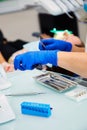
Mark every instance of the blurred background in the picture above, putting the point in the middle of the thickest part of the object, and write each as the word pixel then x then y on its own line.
pixel 20 18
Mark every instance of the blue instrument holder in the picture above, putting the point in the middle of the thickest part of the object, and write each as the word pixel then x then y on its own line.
pixel 36 109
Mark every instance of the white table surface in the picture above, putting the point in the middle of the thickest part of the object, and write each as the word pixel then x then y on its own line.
pixel 66 114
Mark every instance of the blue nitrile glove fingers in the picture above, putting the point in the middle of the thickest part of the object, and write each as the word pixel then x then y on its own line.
pixel 30 59
pixel 19 63
pixel 54 44
pixel 44 43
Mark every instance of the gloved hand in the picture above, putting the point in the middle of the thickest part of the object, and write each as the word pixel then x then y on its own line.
pixel 54 44
pixel 29 60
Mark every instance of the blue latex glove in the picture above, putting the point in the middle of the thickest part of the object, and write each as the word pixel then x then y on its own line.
pixel 29 60
pixel 54 44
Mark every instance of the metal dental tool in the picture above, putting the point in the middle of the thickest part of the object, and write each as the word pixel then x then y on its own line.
pixel 24 94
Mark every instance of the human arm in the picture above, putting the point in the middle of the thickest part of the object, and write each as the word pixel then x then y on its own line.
pixel 77 49
pixel 53 44
pixel 7 67
pixel 73 61
pixel 30 60
pixel 1 58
